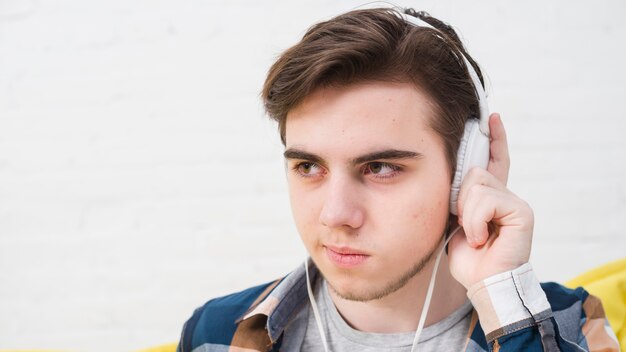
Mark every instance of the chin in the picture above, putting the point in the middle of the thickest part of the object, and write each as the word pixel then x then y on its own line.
pixel 351 285
pixel 358 292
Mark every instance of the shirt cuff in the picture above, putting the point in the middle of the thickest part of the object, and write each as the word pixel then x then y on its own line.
pixel 509 301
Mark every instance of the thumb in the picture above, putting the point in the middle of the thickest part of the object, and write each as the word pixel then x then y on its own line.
pixel 499 161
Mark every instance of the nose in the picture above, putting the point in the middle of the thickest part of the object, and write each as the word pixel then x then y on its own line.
pixel 341 204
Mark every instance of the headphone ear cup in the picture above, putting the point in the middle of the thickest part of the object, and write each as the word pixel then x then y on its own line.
pixel 473 152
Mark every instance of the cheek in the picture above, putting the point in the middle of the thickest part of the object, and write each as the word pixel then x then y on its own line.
pixel 415 229
pixel 430 213
pixel 420 214
pixel 420 204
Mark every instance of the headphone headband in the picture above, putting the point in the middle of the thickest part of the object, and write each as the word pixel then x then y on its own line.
pixel 478 87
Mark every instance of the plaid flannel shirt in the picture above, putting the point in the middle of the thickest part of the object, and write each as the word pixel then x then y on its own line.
pixel 512 312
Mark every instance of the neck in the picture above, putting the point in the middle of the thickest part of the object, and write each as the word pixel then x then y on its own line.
pixel 400 311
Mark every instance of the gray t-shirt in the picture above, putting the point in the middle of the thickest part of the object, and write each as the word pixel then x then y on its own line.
pixel 449 334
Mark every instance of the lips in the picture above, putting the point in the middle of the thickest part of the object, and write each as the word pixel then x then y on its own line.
pixel 345 257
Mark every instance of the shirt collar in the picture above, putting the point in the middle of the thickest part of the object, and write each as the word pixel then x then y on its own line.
pixel 285 301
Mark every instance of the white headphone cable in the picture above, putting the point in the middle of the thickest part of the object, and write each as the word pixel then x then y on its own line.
pixel 316 313
pixel 429 293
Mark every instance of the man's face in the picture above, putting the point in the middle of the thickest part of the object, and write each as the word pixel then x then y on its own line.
pixel 368 183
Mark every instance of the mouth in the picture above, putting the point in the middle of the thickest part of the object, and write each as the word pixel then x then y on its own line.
pixel 345 257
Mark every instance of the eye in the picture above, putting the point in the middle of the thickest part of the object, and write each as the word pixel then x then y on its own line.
pixel 381 169
pixel 307 169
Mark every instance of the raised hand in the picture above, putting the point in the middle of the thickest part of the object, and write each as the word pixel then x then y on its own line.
pixel 497 226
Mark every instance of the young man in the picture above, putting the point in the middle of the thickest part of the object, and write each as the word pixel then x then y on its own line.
pixel 372 110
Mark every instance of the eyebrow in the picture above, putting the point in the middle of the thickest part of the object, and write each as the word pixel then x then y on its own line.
pixel 387 154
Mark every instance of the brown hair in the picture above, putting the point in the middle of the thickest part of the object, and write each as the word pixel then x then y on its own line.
pixel 379 45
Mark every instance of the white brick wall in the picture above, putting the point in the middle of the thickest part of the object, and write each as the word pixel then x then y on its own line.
pixel 139 177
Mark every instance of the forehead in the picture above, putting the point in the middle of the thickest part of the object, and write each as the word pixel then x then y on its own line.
pixel 362 117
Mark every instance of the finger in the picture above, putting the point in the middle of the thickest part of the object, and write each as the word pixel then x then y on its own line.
pixel 499 161
pixel 478 221
pixel 488 205
pixel 477 176
pixel 458 245
pixel 474 219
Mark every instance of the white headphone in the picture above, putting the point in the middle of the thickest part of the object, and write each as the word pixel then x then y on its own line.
pixel 474 147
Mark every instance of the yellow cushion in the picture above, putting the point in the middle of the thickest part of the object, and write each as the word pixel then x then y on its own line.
pixel 170 347
pixel 608 282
